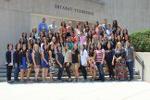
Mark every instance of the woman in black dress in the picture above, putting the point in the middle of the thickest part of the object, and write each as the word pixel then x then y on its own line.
pixel 75 61
pixel 109 57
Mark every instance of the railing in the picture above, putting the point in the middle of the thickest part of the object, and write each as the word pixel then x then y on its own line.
pixel 141 62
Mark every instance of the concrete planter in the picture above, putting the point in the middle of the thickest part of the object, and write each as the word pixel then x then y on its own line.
pixel 145 56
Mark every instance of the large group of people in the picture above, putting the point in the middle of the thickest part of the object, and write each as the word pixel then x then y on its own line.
pixel 72 51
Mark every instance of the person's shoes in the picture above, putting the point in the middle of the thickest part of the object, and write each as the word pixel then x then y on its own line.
pixel 59 80
pixel 112 79
pixel 85 80
pixel 92 79
pixel 130 79
pixel 28 79
pixel 69 80
pixel 43 80
pixel 16 80
pixel 9 81
pixel 36 80
pixel 76 80
pixel 103 80
pixel 22 81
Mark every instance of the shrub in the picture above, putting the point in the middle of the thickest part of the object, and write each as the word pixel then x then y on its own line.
pixel 141 41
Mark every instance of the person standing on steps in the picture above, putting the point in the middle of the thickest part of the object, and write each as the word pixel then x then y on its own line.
pixel 9 60
pixel 36 56
pixel 130 55
pixel 16 61
pixel 99 56
pixel 84 61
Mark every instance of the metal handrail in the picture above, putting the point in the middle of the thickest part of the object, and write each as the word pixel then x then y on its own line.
pixel 141 62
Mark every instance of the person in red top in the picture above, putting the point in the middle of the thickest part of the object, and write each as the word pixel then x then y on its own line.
pixel 74 38
pixel 63 30
pixel 99 56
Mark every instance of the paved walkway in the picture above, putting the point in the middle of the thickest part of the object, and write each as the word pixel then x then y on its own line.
pixel 76 91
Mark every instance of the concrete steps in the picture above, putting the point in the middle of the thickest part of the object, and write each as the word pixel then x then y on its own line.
pixel 3 74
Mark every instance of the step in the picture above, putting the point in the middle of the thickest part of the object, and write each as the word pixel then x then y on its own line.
pixel 137 78
pixel 3 73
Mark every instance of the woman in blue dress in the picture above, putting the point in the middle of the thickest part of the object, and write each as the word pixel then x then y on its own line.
pixel 23 61
pixel 29 60
pixel 45 61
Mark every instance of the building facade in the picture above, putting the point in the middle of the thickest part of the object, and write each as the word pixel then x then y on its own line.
pixel 18 16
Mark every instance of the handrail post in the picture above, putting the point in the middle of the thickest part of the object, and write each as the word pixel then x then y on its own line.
pixel 141 62
pixel 143 70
